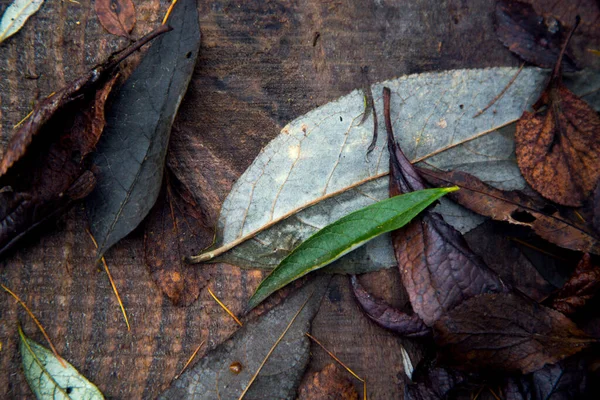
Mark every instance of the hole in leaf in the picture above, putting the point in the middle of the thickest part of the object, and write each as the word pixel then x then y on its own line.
pixel 549 209
pixel 188 55
pixel 522 216
pixel 69 389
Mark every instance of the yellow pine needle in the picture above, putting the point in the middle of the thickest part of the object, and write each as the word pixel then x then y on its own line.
pixel 341 363
pixel 39 325
pixel 594 52
pixel 189 360
pixel 579 216
pixel 262 364
pixel 112 283
pixel 225 308
pixel 30 113
pixel 168 14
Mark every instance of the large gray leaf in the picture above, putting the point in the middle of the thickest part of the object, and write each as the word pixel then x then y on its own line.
pixel 131 153
pixel 316 171
pixel 212 379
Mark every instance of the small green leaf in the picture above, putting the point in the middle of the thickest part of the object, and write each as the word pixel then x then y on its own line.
pixel 345 235
pixel 48 379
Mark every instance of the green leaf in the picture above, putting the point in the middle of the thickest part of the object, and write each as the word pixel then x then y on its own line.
pixel 345 235
pixel 48 379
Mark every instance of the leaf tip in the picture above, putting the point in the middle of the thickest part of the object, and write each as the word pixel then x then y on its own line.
pixel 451 189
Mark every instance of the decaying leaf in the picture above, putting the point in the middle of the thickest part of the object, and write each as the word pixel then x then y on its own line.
pixel 516 208
pixel 557 146
pixel 49 379
pixel 116 16
pixel 433 383
pixel 408 325
pixel 535 39
pixel 438 269
pixel 506 332
pixel 45 166
pixel 315 171
pixel 327 384
pixel 211 377
pixel 131 154
pixel 565 380
pixel 581 287
pixel 176 227
pixel 343 236
pixel 16 15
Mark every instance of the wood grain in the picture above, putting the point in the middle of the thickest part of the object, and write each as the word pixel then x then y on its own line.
pixel 257 70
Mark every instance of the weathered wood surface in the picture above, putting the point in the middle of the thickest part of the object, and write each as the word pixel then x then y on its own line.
pixel 258 69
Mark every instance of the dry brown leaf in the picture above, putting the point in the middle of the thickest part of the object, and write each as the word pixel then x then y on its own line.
pixel 327 384
pixel 116 16
pixel 581 287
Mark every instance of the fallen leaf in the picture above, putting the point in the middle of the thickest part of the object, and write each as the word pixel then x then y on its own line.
pixel 405 324
pixel 211 377
pixel 130 157
pixel 176 227
pixel 327 384
pixel 516 208
pixel 116 16
pixel 433 383
pixel 438 269
pixel 343 236
pixel 565 380
pixel 315 171
pixel 16 15
pixel 49 379
pixel 557 147
pixel 581 287
pixel 45 166
pixel 506 332
pixel 532 37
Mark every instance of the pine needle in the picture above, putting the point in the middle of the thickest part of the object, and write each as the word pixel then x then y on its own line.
pixel 39 325
pixel 224 307
pixel 168 14
pixel 23 120
pixel 189 360
pixel 342 364
pixel 274 347
pixel 112 283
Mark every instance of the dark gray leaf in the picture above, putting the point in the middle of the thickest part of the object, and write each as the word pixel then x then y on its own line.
pixel 211 378
pixel 131 155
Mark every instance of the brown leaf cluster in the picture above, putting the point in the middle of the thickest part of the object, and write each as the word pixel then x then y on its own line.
pixel 327 384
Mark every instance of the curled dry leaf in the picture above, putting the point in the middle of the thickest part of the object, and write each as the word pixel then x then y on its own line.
pixel 131 154
pixel 557 145
pixel 211 377
pixel 176 227
pixel 516 208
pixel 506 332
pixel 327 384
pixel 409 325
pixel 49 378
pixel 534 38
pixel 116 16
pixel 581 287
pixel 46 164
pixel 438 269
pixel 16 15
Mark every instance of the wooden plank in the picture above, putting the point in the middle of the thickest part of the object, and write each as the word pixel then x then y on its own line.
pixel 258 69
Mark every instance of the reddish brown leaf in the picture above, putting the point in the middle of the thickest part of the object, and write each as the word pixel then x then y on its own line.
pixel 176 227
pixel 116 16
pixel 45 166
pixel 535 39
pixel 506 331
pixel 438 268
pixel 409 325
pixel 327 384
pixel 516 208
pixel 581 287
pixel 557 146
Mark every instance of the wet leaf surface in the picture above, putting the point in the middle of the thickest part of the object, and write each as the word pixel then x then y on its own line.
pixel 49 379
pixel 116 16
pixel 176 227
pixel 211 377
pixel 327 384
pixel 131 155
pixel 557 147
pixel 343 236
pixel 532 37
pixel 581 287
pixel 438 269
pixel 482 334
pixel 516 208
pixel 16 15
